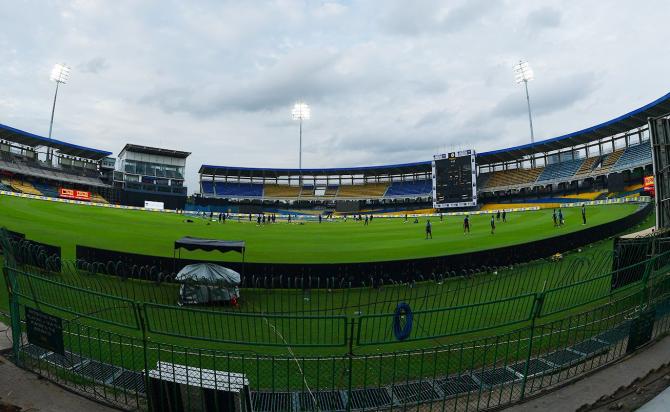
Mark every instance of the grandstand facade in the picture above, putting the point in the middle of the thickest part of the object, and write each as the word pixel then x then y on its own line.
pixel 40 166
pixel 610 157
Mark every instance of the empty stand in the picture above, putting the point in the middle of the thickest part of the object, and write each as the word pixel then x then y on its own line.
pixel 46 189
pixel 411 188
pixel 281 191
pixel 96 198
pixel 331 191
pixel 207 187
pixel 24 187
pixel 611 159
pixel 238 189
pixel 513 177
pixel 633 156
pixel 307 191
pixel 588 165
pixel 363 191
pixel 561 170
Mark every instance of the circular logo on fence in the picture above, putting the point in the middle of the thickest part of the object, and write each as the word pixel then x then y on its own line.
pixel 402 321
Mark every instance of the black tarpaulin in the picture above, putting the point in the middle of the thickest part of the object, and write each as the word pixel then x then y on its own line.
pixel 195 243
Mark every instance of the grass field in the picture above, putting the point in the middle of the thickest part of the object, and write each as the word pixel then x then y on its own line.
pixel 142 232
pixel 281 323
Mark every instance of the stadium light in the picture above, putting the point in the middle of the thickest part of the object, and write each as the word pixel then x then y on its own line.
pixel 523 74
pixel 59 74
pixel 300 112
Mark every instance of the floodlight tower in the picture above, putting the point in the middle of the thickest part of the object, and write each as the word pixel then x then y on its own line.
pixel 59 74
pixel 300 112
pixel 524 74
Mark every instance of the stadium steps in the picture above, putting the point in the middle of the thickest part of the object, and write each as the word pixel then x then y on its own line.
pixel 513 177
pixel 362 191
pixel 281 191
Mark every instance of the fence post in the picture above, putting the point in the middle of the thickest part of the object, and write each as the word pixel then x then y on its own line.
pixel 352 322
pixel 14 314
pixel 537 308
pixel 646 289
pixel 139 310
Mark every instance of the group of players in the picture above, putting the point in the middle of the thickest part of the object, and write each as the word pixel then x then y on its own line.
pixel 466 223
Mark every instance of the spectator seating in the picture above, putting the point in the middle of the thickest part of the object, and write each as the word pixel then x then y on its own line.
pixel 207 187
pixel 238 189
pixel 513 177
pixel 370 190
pixel 5 185
pixel 281 191
pixel 24 187
pixel 96 198
pixel 307 191
pixel 561 170
pixel 589 164
pixel 634 156
pixel 46 189
pixel 611 159
pixel 331 191
pixel 409 188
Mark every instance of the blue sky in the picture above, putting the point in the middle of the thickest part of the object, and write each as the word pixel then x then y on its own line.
pixel 387 81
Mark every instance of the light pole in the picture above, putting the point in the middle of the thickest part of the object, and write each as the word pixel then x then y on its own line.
pixel 59 74
pixel 300 112
pixel 524 74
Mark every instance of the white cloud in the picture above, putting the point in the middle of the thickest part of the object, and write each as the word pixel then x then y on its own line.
pixel 388 82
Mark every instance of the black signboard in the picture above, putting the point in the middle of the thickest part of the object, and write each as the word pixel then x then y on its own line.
pixel 44 330
pixel 640 330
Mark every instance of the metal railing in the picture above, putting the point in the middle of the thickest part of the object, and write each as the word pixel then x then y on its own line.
pixel 473 343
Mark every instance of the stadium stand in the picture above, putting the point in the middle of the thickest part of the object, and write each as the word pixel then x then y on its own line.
pixel 634 156
pixel 370 190
pixel 46 189
pixel 610 160
pixel 307 191
pixel 96 198
pixel 281 191
pixel 5 185
pixel 589 164
pixel 560 170
pixel 584 196
pixel 412 188
pixel 238 189
pixel 331 191
pixel 24 187
pixel 513 177
pixel 207 187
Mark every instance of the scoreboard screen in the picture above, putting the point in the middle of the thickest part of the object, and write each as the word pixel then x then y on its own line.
pixel 455 180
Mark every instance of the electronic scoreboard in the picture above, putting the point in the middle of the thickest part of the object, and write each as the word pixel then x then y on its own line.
pixel 455 180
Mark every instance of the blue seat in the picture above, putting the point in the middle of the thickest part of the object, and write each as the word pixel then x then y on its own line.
pixel 412 188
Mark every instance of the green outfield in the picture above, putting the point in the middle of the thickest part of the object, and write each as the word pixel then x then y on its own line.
pixel 150 233
pixel 102 311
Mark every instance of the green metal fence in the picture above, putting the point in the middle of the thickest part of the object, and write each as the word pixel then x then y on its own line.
pixel 471 346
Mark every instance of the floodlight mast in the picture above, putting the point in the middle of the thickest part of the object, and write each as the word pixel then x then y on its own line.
pixel 59 74
pixel 300 112
pixel 524 74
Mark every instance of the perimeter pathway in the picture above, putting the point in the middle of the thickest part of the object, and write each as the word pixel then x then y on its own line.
pixel 27 391
pixel 588 390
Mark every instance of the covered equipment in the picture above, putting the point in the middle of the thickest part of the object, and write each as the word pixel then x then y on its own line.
pixel 203 283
